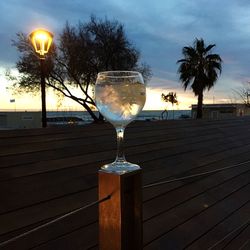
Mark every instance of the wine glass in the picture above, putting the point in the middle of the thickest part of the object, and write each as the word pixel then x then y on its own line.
pixel 119 97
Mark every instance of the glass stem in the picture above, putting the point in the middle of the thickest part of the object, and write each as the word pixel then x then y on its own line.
pixel 120 147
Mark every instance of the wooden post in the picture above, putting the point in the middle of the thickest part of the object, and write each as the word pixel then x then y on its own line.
pixel 120 217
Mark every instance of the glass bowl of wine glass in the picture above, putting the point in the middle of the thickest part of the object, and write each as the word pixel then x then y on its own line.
pixel 119 97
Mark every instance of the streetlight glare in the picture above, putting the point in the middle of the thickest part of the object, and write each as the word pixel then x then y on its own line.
pixel 41 40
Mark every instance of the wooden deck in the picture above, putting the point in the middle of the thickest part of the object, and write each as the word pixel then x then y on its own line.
pixel 45 173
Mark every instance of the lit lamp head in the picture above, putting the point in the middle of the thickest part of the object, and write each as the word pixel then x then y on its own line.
pixel 41 41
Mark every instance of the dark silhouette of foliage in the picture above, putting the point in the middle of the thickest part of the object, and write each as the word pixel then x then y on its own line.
pixel 75 59
pixel 170 97
pixel 199 69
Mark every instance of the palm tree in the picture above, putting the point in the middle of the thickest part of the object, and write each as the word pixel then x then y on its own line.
pixel 199 69
pixel 170 97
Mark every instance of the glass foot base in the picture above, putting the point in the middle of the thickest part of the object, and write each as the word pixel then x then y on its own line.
pixel 120 167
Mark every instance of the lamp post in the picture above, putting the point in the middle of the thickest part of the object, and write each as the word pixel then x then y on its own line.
pixel 41 40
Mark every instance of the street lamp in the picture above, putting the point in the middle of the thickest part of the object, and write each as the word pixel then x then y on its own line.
pixel 41 40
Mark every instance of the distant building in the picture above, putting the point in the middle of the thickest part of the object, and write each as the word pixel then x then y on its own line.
pixel 20 120
pixel 221 111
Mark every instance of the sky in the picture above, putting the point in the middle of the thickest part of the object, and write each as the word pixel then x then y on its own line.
pixel 158 29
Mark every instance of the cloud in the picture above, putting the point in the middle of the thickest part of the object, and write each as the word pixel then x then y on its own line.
pixel 158 29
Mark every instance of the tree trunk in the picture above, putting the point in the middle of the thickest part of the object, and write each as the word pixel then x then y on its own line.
pixel 92 114
pixel 101 118
pixel 199 106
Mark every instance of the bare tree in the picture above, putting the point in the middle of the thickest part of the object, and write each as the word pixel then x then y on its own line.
pixel 244 93
pixel 74 61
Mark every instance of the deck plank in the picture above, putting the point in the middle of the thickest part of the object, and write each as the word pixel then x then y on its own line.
pixel 45 173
